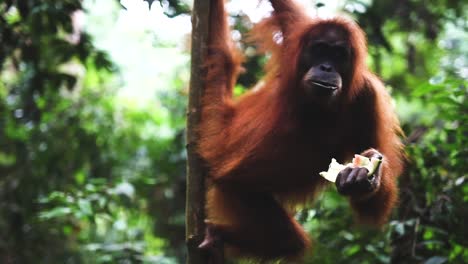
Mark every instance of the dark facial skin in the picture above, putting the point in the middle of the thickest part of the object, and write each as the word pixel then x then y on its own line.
pixel 326 63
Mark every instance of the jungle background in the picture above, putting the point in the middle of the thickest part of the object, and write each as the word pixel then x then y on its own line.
pixel 92 118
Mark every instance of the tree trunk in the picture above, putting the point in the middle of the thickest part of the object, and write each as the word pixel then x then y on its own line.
pixel 195 204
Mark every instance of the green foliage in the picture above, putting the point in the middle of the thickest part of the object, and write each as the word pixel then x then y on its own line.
pixel 437 196
pixel 82 172
pixel 174 7
pixel 336 237
pixel 89 177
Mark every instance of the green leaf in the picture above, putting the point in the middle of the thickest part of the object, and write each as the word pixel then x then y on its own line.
pixel 85 207
pixel 436 260
pixel 55 213
pixel 7 159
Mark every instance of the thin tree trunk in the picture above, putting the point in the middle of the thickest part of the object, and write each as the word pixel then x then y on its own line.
pixel 195 204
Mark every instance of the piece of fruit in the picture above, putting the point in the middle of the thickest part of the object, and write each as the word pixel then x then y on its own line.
pixel 358 161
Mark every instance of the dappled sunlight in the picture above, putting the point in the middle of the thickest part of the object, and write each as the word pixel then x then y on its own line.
pixel 148 47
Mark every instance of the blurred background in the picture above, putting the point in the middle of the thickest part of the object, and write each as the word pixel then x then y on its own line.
pixel 92 116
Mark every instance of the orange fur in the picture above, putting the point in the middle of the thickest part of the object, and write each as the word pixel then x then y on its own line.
pixel 262 156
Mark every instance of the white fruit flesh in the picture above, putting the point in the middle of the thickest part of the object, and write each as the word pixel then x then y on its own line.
pixel 359 161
